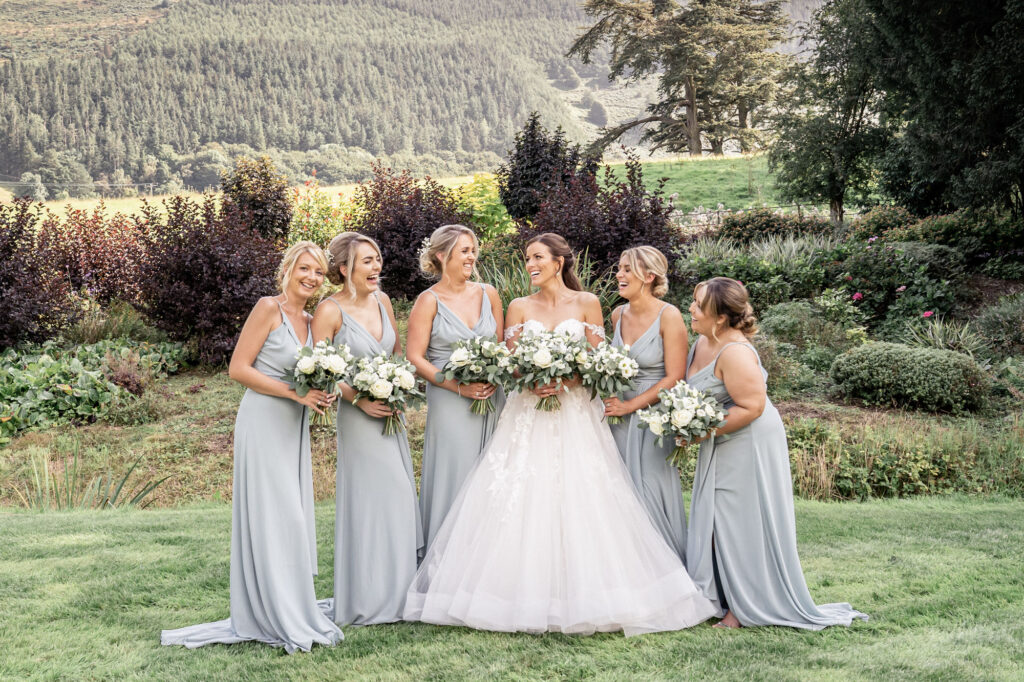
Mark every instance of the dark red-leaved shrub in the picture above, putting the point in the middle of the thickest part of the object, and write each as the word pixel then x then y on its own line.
pixel 204 272
pixel 99 255
pixel 258 191
pixel 35 302
pixel 605 218
pixel 399 212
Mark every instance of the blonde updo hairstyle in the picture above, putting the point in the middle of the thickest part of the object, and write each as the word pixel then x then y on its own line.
pixel 438 248
pixel 341 253
pixel 724 296
pixel 649 261
pixel 291 257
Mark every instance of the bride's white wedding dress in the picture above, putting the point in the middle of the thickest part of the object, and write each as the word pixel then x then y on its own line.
pixel 548 534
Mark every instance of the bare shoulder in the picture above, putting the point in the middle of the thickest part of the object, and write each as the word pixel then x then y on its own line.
pixel 519 305
pixel 617 312
pixel 585 298
pixel 328 307
pixel 671 314
pixel 738 356
pixel 266 308
pixel 491 292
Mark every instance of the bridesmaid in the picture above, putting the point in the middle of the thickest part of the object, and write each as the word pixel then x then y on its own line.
pixel 657 340
pixel 273 535
pixel 377 534
pixel 453 309
pixel 741 548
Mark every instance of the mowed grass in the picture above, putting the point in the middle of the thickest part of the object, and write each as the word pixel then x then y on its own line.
pixel 84 595
pixel 735 182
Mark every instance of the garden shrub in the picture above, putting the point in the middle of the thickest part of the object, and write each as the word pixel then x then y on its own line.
pixel 609 217
pixel 817 339
pixel 1002 325
pixel 940 261
pixel 479 198
pixel 260 194
pixel 538 162
pixel 114 321
pixel 787 376
pixel 878 221
pixel 979 236
pixel 317 217
pixel 100 255
pixel 760 223
pixel 949 335
pixel 204 273
pixel 399 212
pixel 35 301
pixel 896 375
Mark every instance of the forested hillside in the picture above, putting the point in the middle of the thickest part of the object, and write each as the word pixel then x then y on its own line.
pixel 120 91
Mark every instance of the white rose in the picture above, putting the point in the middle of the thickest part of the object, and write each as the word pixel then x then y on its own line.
pixel 381 389
pixel 460 357
pixel 656 428
pixel 681 418
pixel 504 362
pixel 337 364
pixel 306 365
pixel 406 380
pixel 363 378
pixel 542 358
pixel 581 357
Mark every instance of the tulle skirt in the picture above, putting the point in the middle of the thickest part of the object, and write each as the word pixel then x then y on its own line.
pixel 548 534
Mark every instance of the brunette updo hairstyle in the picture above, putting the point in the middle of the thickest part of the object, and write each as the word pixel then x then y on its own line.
pixel 559 248
pixel 724 296
pixel 438 248
pixel 649 261
pixel 340 253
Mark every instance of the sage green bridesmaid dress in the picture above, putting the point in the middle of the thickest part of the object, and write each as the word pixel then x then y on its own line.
pixel 656 480
pixel 741 549
pixel 454 437
pixel 377 534
pixel 273 532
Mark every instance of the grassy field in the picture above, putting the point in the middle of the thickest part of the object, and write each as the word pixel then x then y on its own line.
pixel 84 595
pixel 735 182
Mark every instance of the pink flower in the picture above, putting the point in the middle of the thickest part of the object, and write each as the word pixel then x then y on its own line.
pixel 927 313
pixel 849 278
pixel 872 239
pixel 857 296
pixel 901 289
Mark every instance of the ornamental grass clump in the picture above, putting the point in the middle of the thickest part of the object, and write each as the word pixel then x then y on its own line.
pixel 896 375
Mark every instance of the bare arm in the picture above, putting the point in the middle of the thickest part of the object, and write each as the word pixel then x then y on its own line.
pixel 739 369
pixel 592 315
pixel 421 320
pixel 515 316
pixel 674 341
pixel 326 322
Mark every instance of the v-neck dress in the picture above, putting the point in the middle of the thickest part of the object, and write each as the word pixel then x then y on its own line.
pixel 656 480
pixel 377 531
pixel 742 539
pixel 453 437
pixel 273 532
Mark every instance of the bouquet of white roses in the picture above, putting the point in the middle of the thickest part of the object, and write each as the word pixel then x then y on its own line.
pixel 390 380
pixel 479 359
pixel 545 357
pixel 320 367
pixel 608 370
pixel 684 413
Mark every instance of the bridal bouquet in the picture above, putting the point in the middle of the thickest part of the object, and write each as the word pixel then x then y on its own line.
pixel 320 367
pixel 683 413
pixel 390 380
pixel 544 357
pixel 479 359
pixel 608 370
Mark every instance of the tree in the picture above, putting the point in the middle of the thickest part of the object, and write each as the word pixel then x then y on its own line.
pixel 832 132
pixel 539 161
pixel 31 185
pixel 711 58
pixel 954 74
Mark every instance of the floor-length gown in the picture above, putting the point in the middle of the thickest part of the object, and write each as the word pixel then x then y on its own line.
pixel 655 478
pixel 273 532
pixel 453 437
pixel 548 534
pixel 742 540
pixel 377 531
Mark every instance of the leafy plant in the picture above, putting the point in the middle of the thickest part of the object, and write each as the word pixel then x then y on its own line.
pixel 479 198
pixel 317 217
pixel 259 193
pixel 897 375
pixel 204 273
pixel 758 224
pixel 977 235
pixel 878 221
pixel 1002 325
pixel 399 212
pixel 948 335
pixel 35 302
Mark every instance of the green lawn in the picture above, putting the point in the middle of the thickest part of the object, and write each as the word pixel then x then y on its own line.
pixel 83 595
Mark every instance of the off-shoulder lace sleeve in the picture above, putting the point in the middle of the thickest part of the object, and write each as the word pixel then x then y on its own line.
pixel 595 330
pixel 511 331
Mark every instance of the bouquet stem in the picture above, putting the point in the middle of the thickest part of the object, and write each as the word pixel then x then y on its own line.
pixel 485 406
pixel 614 420
pixel 325 419
pixel 393 425
pixel 549 403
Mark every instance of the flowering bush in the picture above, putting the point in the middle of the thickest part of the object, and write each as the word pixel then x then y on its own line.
pixel 607 371
pixel 683 413
pixel 317 217
pixel 480 359
pixel 390 380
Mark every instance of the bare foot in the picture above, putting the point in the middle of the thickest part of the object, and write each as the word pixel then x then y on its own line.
pixel 728 622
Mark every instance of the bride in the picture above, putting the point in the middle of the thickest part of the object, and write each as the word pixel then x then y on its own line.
pixel 547 533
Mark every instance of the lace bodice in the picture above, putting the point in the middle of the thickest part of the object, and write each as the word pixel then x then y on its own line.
pixel 570 326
